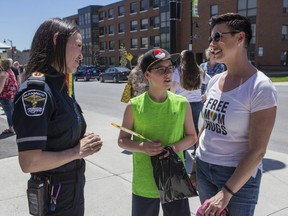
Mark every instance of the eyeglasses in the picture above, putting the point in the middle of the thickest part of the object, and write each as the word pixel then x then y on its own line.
pixel 218 35
pixel 164 70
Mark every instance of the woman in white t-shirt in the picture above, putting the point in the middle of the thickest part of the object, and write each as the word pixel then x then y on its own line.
pixel 187 82
pixel 239 115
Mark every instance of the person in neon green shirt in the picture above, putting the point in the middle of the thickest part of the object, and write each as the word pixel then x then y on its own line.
pixel 163 117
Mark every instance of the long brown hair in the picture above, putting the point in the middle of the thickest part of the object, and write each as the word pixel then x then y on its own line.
pixel 190 71
pixel 43 50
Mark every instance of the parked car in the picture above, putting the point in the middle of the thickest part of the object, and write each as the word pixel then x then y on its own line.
pixel 115 74
pixel 87 72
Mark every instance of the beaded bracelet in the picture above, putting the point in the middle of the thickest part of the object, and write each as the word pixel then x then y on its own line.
pixel 228 189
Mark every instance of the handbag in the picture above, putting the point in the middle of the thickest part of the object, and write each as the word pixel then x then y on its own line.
pixel 127 93
pixel 171 178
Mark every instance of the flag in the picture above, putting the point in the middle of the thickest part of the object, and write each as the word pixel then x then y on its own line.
pixel 195 8
pixel 70 84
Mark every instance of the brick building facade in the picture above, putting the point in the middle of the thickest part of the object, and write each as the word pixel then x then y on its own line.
pixel 140 25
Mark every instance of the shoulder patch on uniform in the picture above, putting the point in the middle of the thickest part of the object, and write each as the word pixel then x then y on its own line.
pixel 37 74
pixel 34 102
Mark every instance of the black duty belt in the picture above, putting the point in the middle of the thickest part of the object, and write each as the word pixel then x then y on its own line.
pixel 61 177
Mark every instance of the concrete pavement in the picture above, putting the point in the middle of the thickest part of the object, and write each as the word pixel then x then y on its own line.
pixel 108 174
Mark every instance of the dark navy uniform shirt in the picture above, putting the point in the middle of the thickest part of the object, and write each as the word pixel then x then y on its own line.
pixel 50 121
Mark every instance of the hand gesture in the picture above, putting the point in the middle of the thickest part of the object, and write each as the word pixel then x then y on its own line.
pixel 152 148
pixel 89 144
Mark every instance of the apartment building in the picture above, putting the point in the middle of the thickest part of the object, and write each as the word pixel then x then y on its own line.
pixel 140 25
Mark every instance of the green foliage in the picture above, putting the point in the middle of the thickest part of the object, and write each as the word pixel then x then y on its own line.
pixel 123 54
pixel 279 79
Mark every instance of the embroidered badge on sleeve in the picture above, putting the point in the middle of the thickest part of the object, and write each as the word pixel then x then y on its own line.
pixel 34 102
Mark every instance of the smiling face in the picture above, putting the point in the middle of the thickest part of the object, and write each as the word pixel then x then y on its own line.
pixel 223 42
pixel 73 52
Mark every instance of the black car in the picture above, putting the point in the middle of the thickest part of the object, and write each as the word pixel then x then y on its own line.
pixel 115 74
pixel 87 73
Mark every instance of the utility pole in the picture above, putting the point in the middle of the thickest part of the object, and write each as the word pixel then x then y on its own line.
pixel 175 15
pixel 11 43
pixel 191 27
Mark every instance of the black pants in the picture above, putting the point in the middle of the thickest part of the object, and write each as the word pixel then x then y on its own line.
pixel 142 206
pixel 70 201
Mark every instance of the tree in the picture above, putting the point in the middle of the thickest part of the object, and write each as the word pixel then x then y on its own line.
pixel 123 54
pixel 95 55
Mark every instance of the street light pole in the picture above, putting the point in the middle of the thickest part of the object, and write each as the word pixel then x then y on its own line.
pixel 191 26
pixel 11 43
pixel 192 36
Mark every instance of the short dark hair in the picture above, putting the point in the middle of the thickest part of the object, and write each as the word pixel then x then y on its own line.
pixel 43 51
pixel 235 22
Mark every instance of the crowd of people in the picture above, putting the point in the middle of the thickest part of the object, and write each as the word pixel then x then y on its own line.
pixel 170 92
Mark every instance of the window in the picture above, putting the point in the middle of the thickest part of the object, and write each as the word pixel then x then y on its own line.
pixel 112 60
pixel 247 7
pixel 111 45
pixel 155 3
pixel 81 19
pixel 121 44
pixel 144 24
pixel 155 21
pixel 144 42
pixel 102 45
pixel 253 39
pixel 111 13
pixel 285 6
pixel 88 33
pixel 121 27
pixel 111 29
pixel 164 3
pixel 102 31
pixel 95 18
pixel 155 41
pixel 143 5
pixel 165 41
pixel 134 43
pixel 283 57
pixel 102 15
pixel 82 31
pixel 87 18
pixel 133 25
pixel 133 7
pixel 95 34
pixel 214 10
pixel 284 32
pixel 165 19
pixel 121 11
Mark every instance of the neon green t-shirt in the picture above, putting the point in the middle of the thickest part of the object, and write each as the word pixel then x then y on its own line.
pixel 156 121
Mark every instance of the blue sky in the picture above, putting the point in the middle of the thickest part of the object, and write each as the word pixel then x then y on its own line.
pixel 19 19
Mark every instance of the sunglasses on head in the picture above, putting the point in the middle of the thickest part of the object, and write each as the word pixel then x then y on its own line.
pixel 218 35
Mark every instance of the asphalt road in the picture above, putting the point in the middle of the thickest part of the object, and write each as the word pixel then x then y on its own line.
pixel 104 98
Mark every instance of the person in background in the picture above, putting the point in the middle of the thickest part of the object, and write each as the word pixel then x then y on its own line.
pixel 239 115
pixel 187 82
pixel 211 67
pixel 163 117
pixel 8 89
pixel 52 146
pixel 15 69
pixel 138 81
